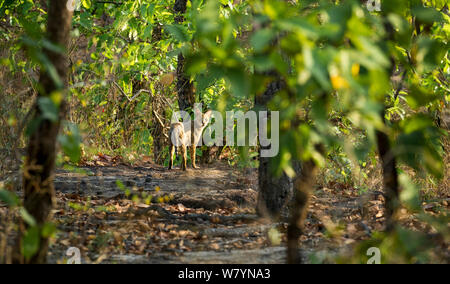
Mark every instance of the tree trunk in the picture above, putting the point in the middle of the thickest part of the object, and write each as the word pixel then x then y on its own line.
pixel 211 154
pixel 158 115
pixel 274 192
pixel 303 187
pixel 387 157
pixel 185 89
pixel 39 191
pixel 390 177
pixel 158 131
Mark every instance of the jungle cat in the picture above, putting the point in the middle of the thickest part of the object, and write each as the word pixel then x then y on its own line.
pixel 180 134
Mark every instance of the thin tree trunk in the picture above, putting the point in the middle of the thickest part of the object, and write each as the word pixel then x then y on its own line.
pixel 185 89
pixel 275 193
pixel 158 131
pixel 390 177
pixel 388 159
pixel 303 187
pixel 186 96
pixel 39 191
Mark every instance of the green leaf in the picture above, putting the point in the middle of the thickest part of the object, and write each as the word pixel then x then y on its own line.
pixel 414 243
pixel 427 15
pixel 48 108
pixel 261 39
pixel 52 47
pixel 300 25
pixel 416 123
pixel 239 82
pixel 120 185
pixel 86 3
pixel 262 63
pixel 339 15
pixel 195 64
pixel 71 142
pixel 179 32
pixel 314 61
pixel 30 242
pixel 204 81
pixel 410 194
pixel 48 230
pixel 85 20
pixel 11 199
pixel 430 53
pixel 27 218
pixel 419 96
pixel 419 145
pixel 4 5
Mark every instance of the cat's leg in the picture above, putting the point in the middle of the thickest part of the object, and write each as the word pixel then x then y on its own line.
pixel 172 152
pixel 193 154
pixel 184 155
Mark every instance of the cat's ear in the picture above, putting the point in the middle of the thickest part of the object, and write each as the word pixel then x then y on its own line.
pixel 197 111
pixel 207 117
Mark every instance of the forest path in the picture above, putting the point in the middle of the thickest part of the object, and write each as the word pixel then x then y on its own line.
pixel 208 217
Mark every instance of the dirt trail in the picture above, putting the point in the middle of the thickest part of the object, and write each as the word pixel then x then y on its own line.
pixel 209 218
pixel 199 216
pixel 209 188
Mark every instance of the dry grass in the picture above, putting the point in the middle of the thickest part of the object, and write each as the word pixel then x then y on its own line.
pixel 443 188
pixel 16 97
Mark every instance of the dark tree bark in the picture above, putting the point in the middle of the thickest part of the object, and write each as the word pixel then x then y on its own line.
pixel 158 131
pixel 43 4
pixel 390 177
pixel 387 156
pixel 185 89
pixel 157 33
pixel 303 187
pixel 39 191
pixel 211 154
pixel 179 8
pixel 275 193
